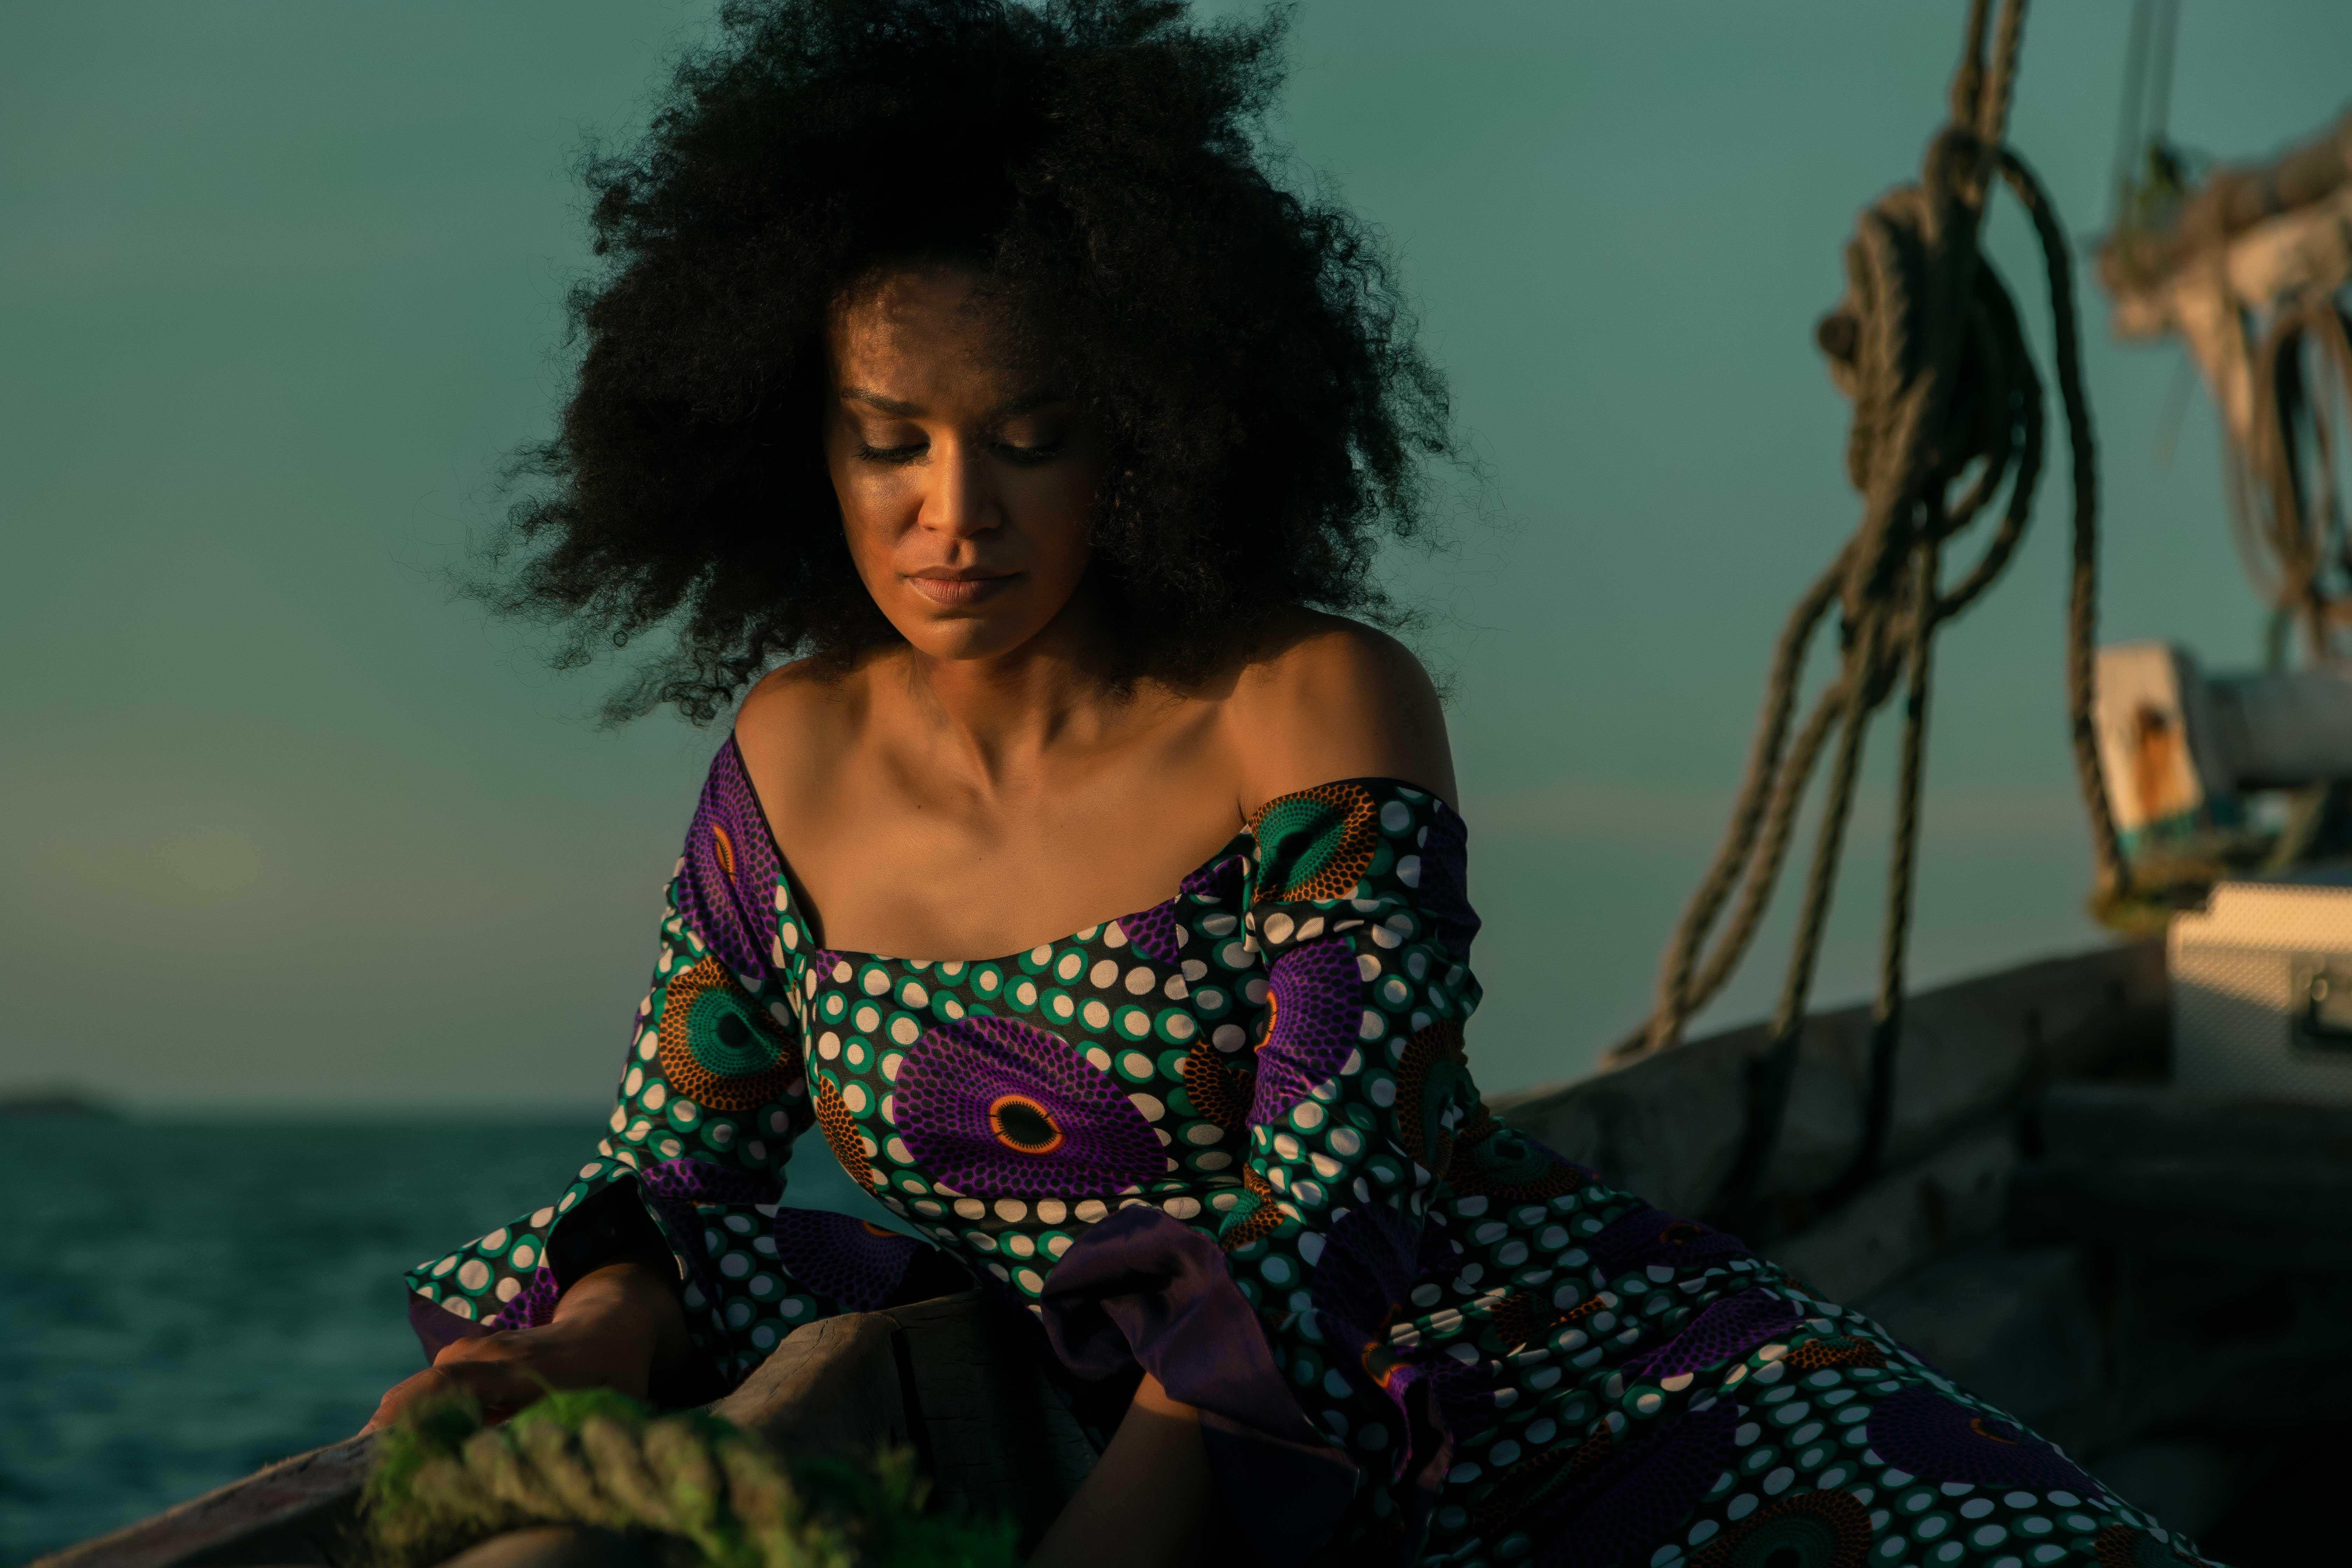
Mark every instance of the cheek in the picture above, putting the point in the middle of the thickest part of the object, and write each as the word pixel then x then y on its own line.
pixel 1061 509
pixel 870 512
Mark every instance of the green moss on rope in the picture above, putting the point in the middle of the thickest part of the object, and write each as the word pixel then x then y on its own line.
pixel 713 1494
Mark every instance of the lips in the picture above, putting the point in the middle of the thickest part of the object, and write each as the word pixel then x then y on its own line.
pixel 960 592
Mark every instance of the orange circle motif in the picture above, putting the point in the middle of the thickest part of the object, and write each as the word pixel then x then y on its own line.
pixel 1023 1126
pixel 688 1075
pixel 1324 838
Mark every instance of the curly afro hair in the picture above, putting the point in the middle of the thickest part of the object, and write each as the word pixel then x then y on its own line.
pixel 1101 163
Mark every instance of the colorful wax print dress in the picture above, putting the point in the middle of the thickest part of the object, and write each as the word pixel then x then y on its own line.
pixel 1233 1139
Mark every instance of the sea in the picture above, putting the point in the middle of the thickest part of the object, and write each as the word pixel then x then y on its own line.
pixel 184 1301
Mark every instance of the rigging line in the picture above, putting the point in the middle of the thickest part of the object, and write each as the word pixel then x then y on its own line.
pixel 2128 126
pixel 1927 345
pixel 2176 409
pixel 2159 74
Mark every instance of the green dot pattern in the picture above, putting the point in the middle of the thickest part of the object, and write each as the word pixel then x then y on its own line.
pixel 1292 1040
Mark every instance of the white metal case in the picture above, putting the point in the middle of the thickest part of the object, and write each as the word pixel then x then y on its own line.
pixel 2262 988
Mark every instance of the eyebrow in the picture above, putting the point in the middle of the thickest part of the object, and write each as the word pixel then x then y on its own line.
pixel 900 409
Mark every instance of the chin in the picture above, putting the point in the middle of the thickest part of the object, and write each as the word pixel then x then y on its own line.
pixel 969 638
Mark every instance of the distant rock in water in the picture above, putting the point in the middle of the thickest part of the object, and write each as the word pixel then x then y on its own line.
pixel 54 1100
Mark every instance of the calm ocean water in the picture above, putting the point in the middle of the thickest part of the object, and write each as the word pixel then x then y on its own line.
pixel 182 1302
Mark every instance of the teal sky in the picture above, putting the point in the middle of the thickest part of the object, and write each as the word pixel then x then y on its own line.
pixel 283 825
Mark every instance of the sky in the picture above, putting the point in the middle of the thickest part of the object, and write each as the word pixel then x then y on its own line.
pixel 286 827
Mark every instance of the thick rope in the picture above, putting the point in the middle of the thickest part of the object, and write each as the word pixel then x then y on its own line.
pixel 2112 879
pixel 709 1493
pixel 2299 556
pixel 1928 345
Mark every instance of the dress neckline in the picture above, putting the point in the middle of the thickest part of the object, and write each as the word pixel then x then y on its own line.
pixel 807 944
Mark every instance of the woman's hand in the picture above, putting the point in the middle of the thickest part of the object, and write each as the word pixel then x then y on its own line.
pixel 616 1327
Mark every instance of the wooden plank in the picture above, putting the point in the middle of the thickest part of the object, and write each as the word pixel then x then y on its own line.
pixel 2015 1327
pixel 831 1386
pixel 298 1511
pixel 953 1376
pixel 560 1546
pixel 1666 1126
pixel 2099 1123
pixel 998 1437
pixel 2295 1216
pixel 1956 1197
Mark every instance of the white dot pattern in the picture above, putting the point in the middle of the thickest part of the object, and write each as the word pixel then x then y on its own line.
pixel 1284 1032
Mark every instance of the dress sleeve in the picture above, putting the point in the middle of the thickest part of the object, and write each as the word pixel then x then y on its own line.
pixel 1354 941
pixel 1357 908
pixel 712 1094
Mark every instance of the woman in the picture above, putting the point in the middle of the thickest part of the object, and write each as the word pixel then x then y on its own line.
pixel 968 354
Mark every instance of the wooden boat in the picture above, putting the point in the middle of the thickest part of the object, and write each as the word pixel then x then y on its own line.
pixel 2056 1226
pixel 2157 1279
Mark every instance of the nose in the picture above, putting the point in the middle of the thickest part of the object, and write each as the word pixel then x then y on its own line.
pixel 960 501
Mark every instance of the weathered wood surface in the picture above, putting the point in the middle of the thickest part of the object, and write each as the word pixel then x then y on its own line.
pixel 297 1511
pixel 1955 1196
pixel 2171 1262
pixel 2161 1172
pixel 997 1435
pixel 950 1377
pixel 1666 1126
pixel 831 1385
pixel 559 1546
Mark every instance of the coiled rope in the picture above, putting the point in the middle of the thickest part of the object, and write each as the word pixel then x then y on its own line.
pixel 703 1491
pixel 1927 345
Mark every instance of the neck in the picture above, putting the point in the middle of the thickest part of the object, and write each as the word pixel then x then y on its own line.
pixel 997 717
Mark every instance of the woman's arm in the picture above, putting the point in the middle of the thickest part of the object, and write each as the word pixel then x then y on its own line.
pixel 620 1326
pixel 1149 1501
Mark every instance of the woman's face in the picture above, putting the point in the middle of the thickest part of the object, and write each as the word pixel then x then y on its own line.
pixel 967 489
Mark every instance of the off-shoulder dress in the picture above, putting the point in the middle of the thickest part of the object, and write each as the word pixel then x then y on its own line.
pixel 1233 1139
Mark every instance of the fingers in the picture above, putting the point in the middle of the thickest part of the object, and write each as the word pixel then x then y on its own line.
pixel 408 1390
pixel 499 1380
pixel 506 1371
pixel 501 1387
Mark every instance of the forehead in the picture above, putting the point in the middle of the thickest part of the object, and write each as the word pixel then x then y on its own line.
pixel 930 327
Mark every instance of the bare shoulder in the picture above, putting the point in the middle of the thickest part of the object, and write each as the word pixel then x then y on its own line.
pixel 797 721
pixel 1330 699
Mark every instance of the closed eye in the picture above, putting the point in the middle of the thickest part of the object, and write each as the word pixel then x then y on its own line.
pixel 895 456
pixel 1045 452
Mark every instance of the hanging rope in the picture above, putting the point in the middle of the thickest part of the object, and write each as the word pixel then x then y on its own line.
pixel 2290 519
pixel 705 1492
pixel 1927 345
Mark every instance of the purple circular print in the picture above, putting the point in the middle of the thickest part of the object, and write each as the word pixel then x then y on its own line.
pixel 534 1305
pixel 1624 1507
pixel 1366 1268
pixel 727 891
pixel 1220 880
pixel 1445 882
pixel 1314 1002
pixel 1648 1236
pixel 1153 932
pixel 701 1182
pixel 1939 1439
pixel 1728 1328
pixel 997 1107
pixel 847 1260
